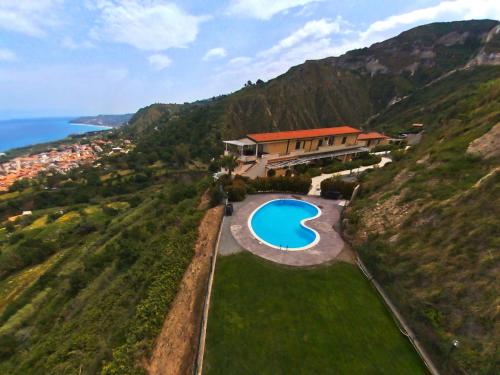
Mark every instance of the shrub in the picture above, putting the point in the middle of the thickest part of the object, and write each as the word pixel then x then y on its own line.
pixel 110 211
pixel 271 173
pixel 313 172
pixel 8 345
pixel 373 159
pixel 334 188
pixel 236 192
pixel 363 156
pixel 181 191
pixel 216 195
pixel 389 147
pixel 10 227
pixel 397 155
pixel 301 168
pixel 332 168
pixel 296 184
pixel 54 216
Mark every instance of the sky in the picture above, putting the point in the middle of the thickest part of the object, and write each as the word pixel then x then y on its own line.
pixel 77 57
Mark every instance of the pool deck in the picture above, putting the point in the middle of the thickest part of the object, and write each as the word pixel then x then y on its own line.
pixel 327 249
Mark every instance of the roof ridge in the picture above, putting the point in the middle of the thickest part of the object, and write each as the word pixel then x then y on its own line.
pixel 303 133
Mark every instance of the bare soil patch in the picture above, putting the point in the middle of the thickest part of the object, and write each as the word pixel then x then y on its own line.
pixel 488 145
pixel 176 346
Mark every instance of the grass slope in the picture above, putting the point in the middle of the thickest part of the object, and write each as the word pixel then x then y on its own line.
pixel 269 319
pixel 85 286
pixel 427 226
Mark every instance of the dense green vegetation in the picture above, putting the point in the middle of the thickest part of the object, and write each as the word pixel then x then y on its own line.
pixel 428 226
pixel 270 319
pixel 86 280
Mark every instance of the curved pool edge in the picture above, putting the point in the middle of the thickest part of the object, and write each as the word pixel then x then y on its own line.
pixel 302 223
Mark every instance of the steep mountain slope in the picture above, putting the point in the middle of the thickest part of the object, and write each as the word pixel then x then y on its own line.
pixel 428 225
pixel 357 85
pixel 349 89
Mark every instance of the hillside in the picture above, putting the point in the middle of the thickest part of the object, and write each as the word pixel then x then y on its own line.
pixel 427 225
pixel 87 280
pixel 353 87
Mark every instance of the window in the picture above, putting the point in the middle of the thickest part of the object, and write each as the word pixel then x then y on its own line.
pixel 344 140
pixel 330 141
pixel 297 145
pixel 320 143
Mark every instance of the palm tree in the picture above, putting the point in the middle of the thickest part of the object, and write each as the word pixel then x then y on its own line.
pixel 229 162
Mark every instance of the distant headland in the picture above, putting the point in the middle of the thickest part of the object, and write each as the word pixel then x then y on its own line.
pixel 104 120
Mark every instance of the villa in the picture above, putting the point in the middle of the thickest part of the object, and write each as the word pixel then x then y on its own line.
pixel 258 153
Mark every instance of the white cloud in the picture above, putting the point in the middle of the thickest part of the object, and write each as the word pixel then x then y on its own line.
pixel 264 9
pixel 215 53
pixel 7 55
pixel 241 60
pixel 323 38
pixel 315 29
pixel 29 17
pixel 145 24
pixel 71 44
pixel 159 61
pixel 445 10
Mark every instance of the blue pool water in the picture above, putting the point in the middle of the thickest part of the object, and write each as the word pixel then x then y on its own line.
pixel 278 224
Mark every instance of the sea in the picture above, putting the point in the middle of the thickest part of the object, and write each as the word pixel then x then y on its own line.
pixel 26 132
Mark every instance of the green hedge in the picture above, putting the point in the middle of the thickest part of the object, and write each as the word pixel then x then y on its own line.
pixel 296 184
pixel 335 188
pixel 237 188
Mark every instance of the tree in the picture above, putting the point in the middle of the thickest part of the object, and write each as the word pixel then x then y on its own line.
pixel 10 227
pixel 181 154
pixel 229 162
pixel 20 185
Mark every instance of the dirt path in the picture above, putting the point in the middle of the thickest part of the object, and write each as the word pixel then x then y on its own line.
pixel 176 346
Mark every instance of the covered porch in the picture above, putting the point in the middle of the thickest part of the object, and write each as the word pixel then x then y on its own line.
pixel 244 149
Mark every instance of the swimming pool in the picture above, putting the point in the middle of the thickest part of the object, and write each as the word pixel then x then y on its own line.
pixel 280 223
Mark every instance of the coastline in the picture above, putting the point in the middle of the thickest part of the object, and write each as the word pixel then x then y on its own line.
pixel 40 146
pixel 102 127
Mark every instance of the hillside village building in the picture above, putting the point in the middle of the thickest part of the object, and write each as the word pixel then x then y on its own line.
pixel 257 153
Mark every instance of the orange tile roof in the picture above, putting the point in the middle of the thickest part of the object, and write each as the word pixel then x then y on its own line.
pixel 371 135
pixel 306 133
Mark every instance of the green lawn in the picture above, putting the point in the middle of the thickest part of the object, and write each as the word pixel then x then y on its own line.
pixel 269 319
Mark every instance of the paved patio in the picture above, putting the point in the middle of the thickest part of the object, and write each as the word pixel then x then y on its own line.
pixel 236 235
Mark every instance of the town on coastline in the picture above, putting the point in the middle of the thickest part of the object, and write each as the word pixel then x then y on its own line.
pixel 59 159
